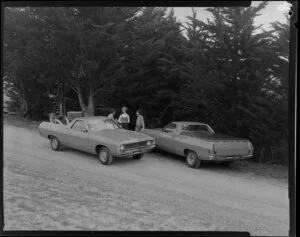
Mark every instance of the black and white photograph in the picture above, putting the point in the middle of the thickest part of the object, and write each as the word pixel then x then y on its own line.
pixel 147 118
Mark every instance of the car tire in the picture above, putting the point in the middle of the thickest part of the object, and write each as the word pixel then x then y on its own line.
pixel 193 160
pixel 55 144
pixel 105 156
pixel 138 157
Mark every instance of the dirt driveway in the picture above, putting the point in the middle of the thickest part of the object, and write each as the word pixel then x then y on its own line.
pixel 71 190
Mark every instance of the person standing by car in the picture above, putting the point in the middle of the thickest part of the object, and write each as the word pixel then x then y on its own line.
pixel 112 114
pixel 140 124
pixel 124 118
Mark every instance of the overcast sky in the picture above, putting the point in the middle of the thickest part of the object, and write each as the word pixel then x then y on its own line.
pixel 274 11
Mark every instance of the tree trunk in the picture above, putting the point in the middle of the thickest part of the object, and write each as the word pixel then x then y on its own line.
pixel 235 68
pixel 163 113
pixel 24 107
pixel 261 155
pixel 91 106
pixel 61 99
pixel 81 101
pixel 91 103
pixel 64 106
pixel 23 100
pixel 61 111
pixel 88 110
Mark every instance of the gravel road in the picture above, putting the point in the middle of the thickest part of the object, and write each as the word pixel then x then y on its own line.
pixel 71 190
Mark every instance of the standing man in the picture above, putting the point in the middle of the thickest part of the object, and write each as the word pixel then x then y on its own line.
pixel 124 118
pixel 140 124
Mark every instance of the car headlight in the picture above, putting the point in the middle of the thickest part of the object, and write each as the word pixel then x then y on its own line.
pixel 122 147
pixel 150 143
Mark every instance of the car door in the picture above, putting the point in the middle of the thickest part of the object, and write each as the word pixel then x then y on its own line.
pixel 166 137
pixel 78 136
pixel 180 142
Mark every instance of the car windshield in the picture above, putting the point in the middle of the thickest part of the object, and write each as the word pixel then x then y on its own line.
pixel 196 128
pixel 99 124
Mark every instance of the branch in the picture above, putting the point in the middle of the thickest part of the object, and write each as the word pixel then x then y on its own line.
pixel 100 87
pixel 74 89
pixel 97 91
pixel 73 83
pixel 163 112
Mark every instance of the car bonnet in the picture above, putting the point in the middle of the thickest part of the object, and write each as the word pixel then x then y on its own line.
pixel 122 135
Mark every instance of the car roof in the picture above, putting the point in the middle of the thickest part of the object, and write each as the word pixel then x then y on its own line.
pixel 187 122
pixel 90 118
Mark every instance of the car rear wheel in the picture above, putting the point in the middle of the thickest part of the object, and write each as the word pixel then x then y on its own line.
pixel 193 160
pixel 105 156
pixel 55 144
pixel 138 157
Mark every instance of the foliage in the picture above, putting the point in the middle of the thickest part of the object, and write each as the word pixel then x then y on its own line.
pixel 151 78
pixel 226 72
pixel 231 81
pixel 24 61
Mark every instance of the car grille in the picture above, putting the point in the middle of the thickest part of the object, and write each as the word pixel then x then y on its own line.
pixel 135 145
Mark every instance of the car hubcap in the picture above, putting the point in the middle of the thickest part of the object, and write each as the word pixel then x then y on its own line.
pixel 191 159
pixel 54 143
pixel 103 156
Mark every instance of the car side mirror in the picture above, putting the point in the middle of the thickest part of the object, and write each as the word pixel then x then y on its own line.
pixel 164 130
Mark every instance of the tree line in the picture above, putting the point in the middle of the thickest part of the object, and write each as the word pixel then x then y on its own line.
pixel 226 71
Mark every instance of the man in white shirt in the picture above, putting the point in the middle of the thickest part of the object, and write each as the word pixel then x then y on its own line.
pixel 140 124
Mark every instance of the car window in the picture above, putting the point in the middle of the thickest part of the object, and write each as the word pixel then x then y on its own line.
pixel 96 125
pixel 110 124
pixel 79 126
pixel 100 124
pixel 170 126
pixel 195 128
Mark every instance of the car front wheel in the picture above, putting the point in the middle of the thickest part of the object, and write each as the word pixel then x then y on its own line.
pixel 55 144
pixel 105 156
pixel 193 160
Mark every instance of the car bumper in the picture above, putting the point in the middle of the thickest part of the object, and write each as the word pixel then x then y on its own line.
pixel 132 152
pixel 229 158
